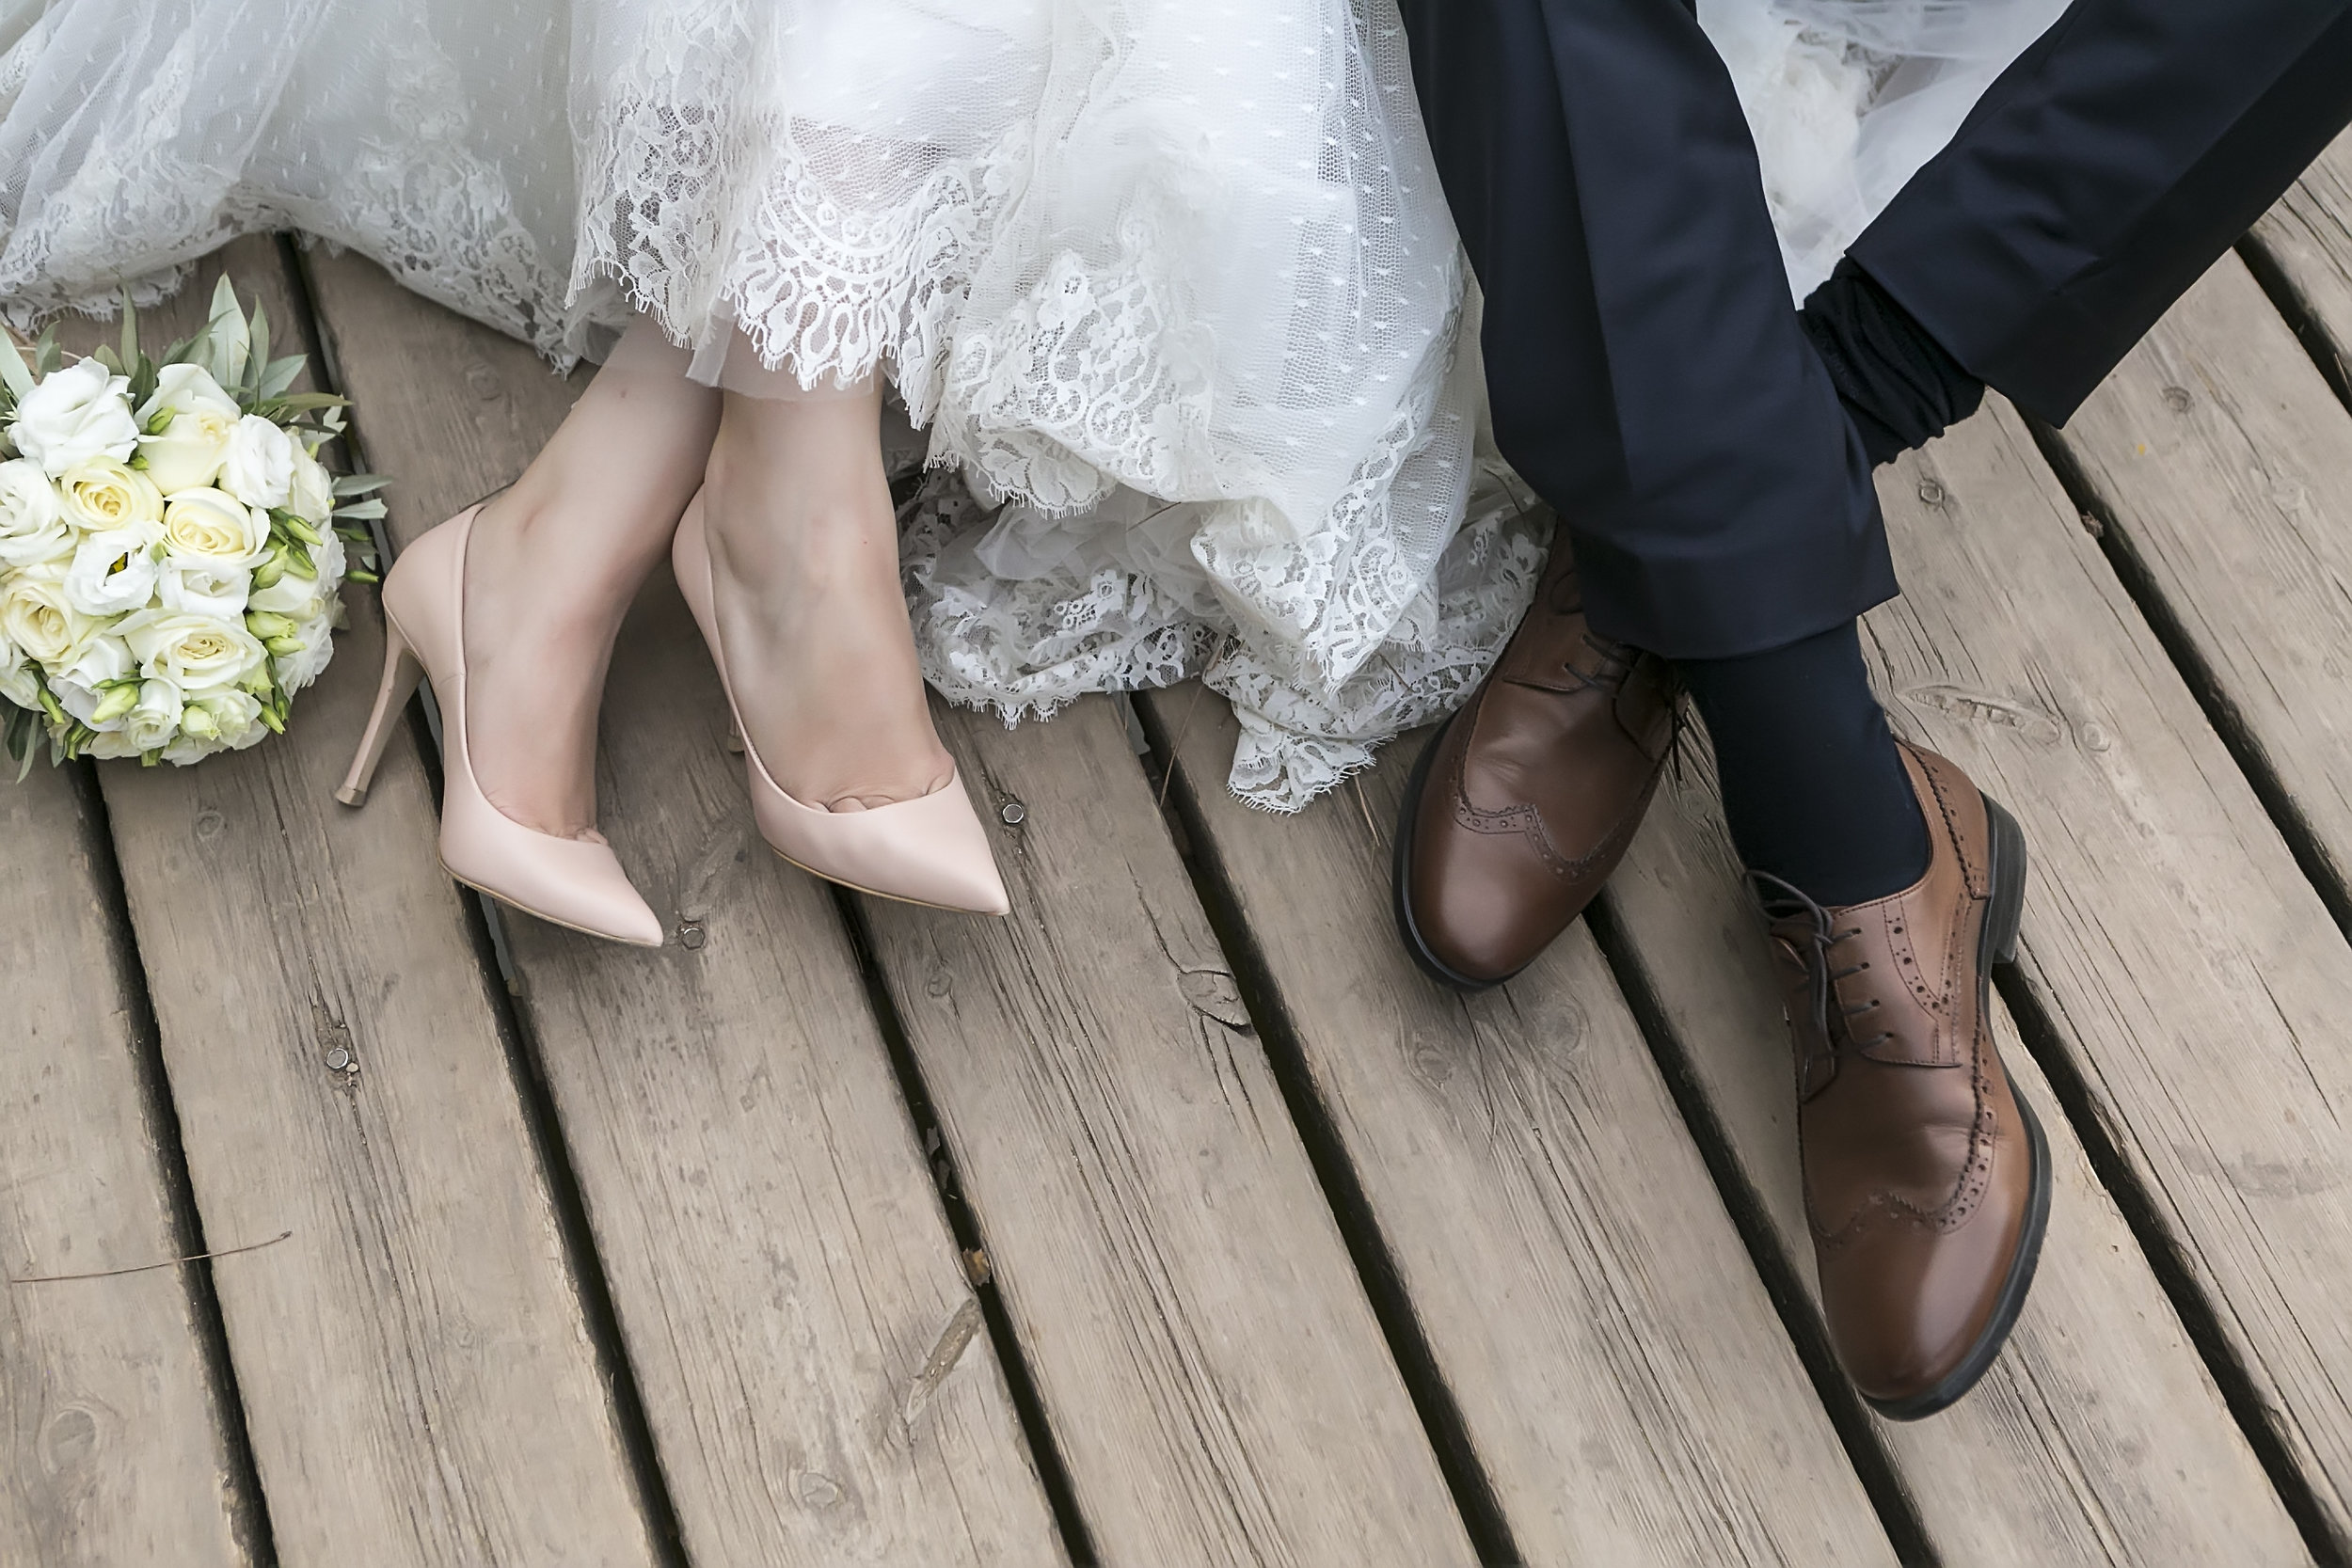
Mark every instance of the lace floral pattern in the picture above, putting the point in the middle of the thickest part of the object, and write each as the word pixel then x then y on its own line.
pixel 1169 284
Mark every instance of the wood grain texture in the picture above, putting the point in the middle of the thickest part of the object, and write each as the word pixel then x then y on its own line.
pixel 2187 973
pixel 2306 238
pixel 2098 1436
pixel 1213 1373
pixel 780 1268
pixel 2225 466
pixel 112 1440
pixel 1627 1386
pixel 418 1384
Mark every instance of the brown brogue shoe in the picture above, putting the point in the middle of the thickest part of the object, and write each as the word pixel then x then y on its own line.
pixel 1524 804
pixel 1926 1179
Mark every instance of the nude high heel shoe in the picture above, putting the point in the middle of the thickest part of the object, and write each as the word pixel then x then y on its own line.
pixel 576 882
pixel 930 850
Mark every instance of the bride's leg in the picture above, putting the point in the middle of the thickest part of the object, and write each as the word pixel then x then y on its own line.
pixel 553 566
pixel 804 557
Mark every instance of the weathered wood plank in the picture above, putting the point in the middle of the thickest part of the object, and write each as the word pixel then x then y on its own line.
pixel 2307 238
pixel 778 1258
pixel 2185 967
pixel 1215 1374
pixel 2225 466
pixel 112 1440
pixel 417 1382
pixel 2098 1436
pixel 1623 1379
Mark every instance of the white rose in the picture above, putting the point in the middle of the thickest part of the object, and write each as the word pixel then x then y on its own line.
pixel 298 669
pixel 111 746
pixel 74 413
pixel 312 496
pixel 186 389
pixel 188 454
pixel 227 719
pixel 80 686
pixel 18 683
pixel 100 493
pixel 36 618
pixel 32 517
pixel 214 528
pixel 198 655
pixel 114 573
pixel 200 588
pixel 259 470
pixel 296 598
pixel 154 722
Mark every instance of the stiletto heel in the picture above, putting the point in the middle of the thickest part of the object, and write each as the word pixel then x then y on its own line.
pixel 574 883
pixel 402 672
pixel 932 851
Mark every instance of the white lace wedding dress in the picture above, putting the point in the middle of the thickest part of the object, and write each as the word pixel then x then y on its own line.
pixel 1169 285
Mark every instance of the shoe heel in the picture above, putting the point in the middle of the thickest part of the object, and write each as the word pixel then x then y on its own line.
pixel 2006 909
pixel 402 671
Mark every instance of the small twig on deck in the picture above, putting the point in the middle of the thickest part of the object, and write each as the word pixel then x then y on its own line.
pixel 1365 806
pixel 1176 748
pixel 143 1268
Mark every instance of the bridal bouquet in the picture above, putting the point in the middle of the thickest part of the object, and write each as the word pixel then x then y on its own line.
pixel 171 550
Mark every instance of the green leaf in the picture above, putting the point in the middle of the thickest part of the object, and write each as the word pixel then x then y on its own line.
pixel 105 355
pixel 14 368
pixel 366 510
pixel 360 574
pixel 257 334
pixel 129 331
pixel 360 484
pixel 231 337
pixel 302 403
pixel 280 374
pixel 47 355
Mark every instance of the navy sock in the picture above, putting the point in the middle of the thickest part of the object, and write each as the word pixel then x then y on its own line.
pixel 1814 790
pixel 1899 387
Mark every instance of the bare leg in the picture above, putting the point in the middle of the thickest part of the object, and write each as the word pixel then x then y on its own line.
pixel 804 554
pixel 553 566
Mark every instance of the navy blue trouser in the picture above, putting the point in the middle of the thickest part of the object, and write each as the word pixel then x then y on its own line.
pixel 1647 370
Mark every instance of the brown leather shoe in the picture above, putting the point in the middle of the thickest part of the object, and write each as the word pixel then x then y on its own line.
pixel 1522 805
pixel 1927 1180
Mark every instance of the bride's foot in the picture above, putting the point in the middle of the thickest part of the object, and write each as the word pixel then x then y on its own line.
pixel 552 567
pixel 805 556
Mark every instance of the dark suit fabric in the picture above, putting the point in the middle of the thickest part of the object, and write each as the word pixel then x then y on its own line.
pixel 1644 362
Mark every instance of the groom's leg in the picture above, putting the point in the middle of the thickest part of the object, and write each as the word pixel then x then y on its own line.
pixel 1646 372
pixel 1650 377
pixel 2100 177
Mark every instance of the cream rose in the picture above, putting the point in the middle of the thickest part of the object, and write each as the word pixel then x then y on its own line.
pixel 100 493
pixel 189 454
pixel 36 617
pixel 259 470
pixel 201 588
pixel 197 654
pixel 74 413
pixel 312 496
pixel 186 389
pixel 216 528
pixel 114 573
pixel 32 518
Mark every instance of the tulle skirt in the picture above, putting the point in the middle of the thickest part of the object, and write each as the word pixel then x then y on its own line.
pixel 1168 289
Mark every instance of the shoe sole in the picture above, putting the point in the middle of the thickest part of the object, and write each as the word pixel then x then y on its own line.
pixel 1401 880
pixel 1995 945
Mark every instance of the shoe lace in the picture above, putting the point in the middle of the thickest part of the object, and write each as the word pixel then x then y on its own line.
pixel 1784 901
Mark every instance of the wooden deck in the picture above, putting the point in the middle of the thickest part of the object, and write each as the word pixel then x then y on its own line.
pixel 1176 1220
